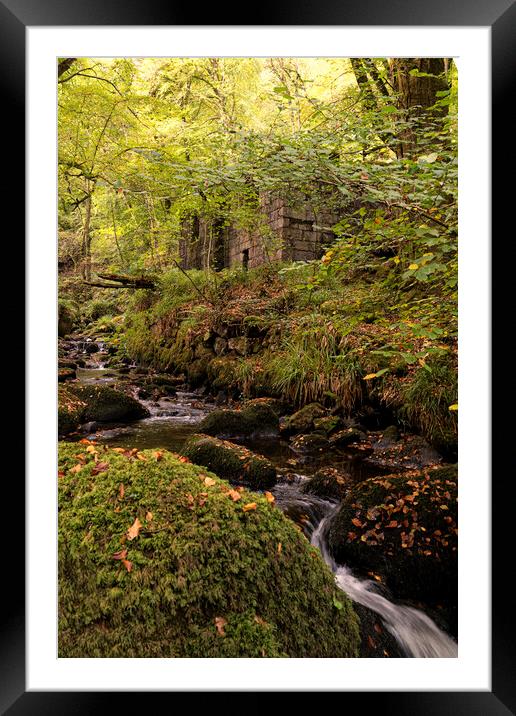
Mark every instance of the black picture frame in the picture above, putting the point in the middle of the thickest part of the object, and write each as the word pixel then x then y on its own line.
pixel 500 16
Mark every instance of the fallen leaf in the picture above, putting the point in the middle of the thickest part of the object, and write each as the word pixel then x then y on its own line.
pixel 76 468
pixel 128 565
pixel 134 529
pixel 209 481
pixel 234 494
pixel 120 555
pixel 119 450
pixel 91 449
pixel 121 491
pixel 141 457
pixel 280 547
pixel 220 623
pixel 60 473
pixel 391 524
pixel 149 516
pixel 85 441
pixel 357 522
pixel 269 497
pixel 100 467
pixel 250 506
pixel 158 455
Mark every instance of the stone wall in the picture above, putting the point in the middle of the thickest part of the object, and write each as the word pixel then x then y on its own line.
pixel 288 233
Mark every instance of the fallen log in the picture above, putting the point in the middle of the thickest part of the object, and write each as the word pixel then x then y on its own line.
pixel 122 281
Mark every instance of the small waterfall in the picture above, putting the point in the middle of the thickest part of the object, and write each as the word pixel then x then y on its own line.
pixel 417 634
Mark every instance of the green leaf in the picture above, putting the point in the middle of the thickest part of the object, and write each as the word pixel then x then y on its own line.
pixel 336 603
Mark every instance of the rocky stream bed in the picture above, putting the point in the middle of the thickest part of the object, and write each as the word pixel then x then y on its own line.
pixel 319 464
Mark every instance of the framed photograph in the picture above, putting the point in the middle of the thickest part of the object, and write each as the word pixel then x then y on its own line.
pixel 97 168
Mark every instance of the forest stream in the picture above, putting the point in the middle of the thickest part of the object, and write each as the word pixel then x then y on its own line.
pixel 173 420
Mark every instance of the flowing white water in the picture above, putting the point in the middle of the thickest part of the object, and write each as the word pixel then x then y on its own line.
pixel 417 634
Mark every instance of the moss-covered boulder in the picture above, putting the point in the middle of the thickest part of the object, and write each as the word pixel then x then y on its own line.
pixel 84 403
pixel 65 318
pixel 280 407
pixel 256 419
pixel 328 482
pixel 327 424
pixel 232 462
pixel 303 420
pixel 312 443
pixel 158 558
pixel 405 527
pixel 345 437
pixel 64 374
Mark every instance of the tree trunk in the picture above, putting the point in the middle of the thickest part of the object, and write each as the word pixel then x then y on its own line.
pixel 417 94
pixel 86 241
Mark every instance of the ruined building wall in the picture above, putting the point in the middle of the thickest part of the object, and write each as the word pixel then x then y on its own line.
pixel 290 233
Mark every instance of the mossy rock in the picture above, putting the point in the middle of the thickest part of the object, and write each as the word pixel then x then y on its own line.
pixel 328 482
pixel 405 527
pixel 314 442
pixel 232 462
pixel 99 403
pixel 221 373
pixel 197 372
pixel 195 579
pixel 253 420
pixel 328 424
pixel 64 374
pixel 345 437
pixel 66 319
pixel 280 407
pixel 303 420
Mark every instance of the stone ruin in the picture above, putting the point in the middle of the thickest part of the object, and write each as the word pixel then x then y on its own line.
pixel 289 233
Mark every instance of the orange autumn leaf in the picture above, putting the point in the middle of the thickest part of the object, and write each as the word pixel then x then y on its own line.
pixel 91 449
pixel 392 524
pixel 269 497
pixel 134 529
pixel 76 468
pixel 357 522
pixel 158 455
pixel 234 494
pixel 141 457
pixel 250 506
pixel 149 516
pixel 120 555
pixel 121 491
pixel 128 565
pixel 119 450
pixel 60 473
pixel 99 467
pixel 280 547
pixel 182 458
pixel 220 623
pixel 85 441
pixel 209 481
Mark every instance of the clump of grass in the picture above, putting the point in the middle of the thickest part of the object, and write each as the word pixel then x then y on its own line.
pixel 310 365
pixel 426 402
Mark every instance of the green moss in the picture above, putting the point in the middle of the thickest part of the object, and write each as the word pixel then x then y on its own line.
pixel 230 461
pixel 200 565
pixel 255 419
pixel 404 526
pixel 328 482
pixel 82 403
pixel 303 420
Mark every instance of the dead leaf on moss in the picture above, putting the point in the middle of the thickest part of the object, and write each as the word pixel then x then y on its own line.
pixel 220 623
pixel 250 506
pixel 134 529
